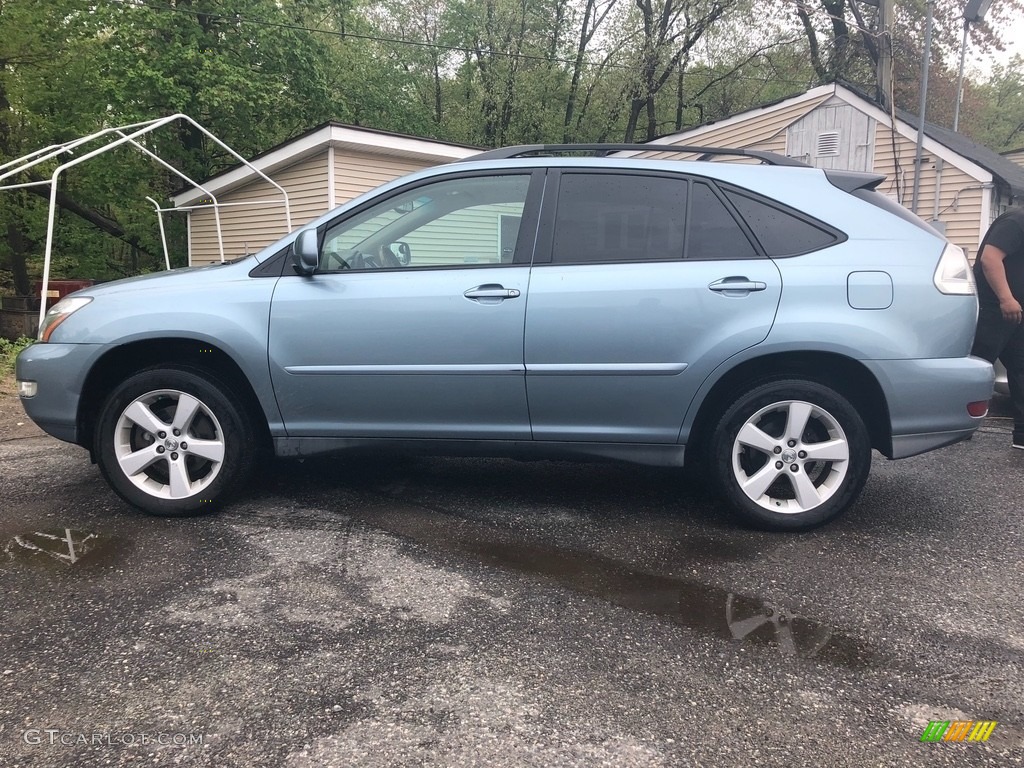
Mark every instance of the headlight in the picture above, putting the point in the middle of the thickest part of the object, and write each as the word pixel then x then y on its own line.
pixel 60 312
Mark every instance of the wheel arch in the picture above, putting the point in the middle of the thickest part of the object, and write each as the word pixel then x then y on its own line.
pixel 123 361
pixel 847 376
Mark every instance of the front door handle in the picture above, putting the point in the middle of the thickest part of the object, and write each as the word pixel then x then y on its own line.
pixel 491 291
pixel 737 285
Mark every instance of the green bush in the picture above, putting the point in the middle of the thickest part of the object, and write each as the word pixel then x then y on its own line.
pixel 9 350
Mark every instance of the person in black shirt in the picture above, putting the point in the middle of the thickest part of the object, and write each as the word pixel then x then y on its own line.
pixel 999 272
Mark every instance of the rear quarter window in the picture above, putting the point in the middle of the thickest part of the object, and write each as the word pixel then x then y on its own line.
pixel 782 232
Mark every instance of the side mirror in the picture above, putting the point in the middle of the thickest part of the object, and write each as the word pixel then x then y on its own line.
pixel 306 252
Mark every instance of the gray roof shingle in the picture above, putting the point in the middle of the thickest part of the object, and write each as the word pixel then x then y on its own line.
pixel 1004 169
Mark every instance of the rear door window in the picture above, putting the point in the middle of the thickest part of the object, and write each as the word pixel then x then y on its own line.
pixel 609 217
pixel 713 232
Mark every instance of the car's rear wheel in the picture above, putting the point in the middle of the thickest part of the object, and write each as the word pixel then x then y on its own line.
pixel 172 441
pixel 791 455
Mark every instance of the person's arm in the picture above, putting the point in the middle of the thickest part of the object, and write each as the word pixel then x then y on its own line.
pixel 995 273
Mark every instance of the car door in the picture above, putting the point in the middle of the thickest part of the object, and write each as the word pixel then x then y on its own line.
pixel 412 324
pixel 642 285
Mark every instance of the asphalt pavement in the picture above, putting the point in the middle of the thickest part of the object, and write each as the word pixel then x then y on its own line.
pixel 454 612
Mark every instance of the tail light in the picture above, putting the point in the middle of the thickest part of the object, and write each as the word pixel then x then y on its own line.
pixel 978 408
pixel 953 275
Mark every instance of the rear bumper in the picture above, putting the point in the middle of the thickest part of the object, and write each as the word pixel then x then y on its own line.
pixel 1002 383
pixel 928 400
pixel 912 445
pixel 60 371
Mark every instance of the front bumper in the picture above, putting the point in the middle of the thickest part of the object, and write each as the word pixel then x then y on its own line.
pixel 59 371
pixel 928 400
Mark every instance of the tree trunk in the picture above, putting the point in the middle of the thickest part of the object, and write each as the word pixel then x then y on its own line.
pixel 636 105
pixel 438 112
pixel 19 246
pixel 652 120
pixel 679 99
pixel 98 220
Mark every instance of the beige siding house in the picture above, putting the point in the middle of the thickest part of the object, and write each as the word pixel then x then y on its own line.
pixel 963 186
pixel 319 170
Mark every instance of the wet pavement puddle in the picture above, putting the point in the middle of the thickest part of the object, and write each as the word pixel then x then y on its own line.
pixel 62 546
pixel 697 606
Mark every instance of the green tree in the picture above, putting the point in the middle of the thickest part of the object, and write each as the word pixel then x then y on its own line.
pixel 668 32
pixel 844 41
pixel 249 70
pixel 47 95
pixel 994 110
pixel 245 69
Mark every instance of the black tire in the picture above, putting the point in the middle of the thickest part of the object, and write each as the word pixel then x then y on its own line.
pixel 220 425
pixel 775 496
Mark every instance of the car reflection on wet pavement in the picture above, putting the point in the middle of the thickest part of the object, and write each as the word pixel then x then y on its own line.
pixel 65 546
pixel 692 604
pixel 696 606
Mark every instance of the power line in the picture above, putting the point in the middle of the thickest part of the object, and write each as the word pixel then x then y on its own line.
pixel 817 11
pixel 240 19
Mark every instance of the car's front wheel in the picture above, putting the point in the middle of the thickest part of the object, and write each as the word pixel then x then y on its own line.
pixel 791 455
pixel 172 441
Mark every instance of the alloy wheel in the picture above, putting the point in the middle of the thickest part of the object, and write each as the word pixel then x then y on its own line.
pixel 791 456
pixel 169 444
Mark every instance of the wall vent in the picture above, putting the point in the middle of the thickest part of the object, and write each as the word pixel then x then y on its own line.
pixel 827 144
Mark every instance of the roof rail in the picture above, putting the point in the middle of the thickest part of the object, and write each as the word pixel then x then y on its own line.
pixel 601 150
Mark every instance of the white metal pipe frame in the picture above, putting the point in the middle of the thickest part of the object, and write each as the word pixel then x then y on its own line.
pixel 116 137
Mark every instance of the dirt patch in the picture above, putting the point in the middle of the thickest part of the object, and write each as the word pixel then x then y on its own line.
pixel 14 422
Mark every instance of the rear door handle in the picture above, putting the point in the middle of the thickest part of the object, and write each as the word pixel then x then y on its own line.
pixel 491 291
pixel 737 284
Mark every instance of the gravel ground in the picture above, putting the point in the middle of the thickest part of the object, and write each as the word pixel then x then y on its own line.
pixel 449 612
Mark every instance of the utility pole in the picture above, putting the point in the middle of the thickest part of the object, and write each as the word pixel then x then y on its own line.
pixel 973 13
pixel 927 55
pixel 884 79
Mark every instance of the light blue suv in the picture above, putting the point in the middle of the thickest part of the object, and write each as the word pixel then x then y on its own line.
pixel 773 321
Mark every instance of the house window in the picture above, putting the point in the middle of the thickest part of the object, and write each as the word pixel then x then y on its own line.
pixel 827 144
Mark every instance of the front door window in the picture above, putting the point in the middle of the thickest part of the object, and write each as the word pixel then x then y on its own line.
pixel 457 222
